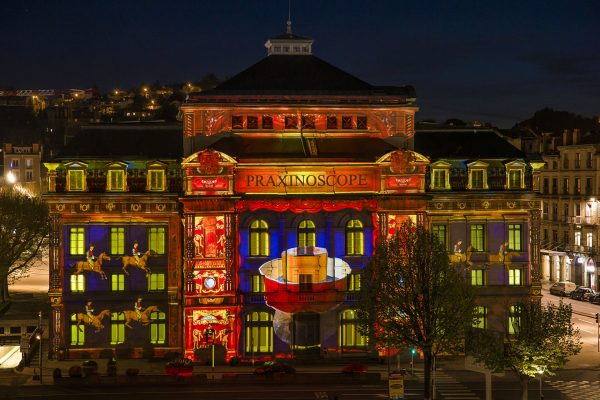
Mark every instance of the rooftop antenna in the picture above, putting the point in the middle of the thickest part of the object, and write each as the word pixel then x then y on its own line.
pixel 289 21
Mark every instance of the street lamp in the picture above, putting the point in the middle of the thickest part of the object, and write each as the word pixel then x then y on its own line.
pixel 11 178
pixel 540 372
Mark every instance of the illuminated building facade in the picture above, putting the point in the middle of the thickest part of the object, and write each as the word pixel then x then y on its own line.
pixel 292 170
pixel 308 167
pixel 113 194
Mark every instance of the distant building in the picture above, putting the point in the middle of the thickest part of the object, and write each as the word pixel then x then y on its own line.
pixel 24 162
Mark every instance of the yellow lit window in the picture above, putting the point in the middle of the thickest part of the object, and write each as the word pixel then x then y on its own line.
pixel 258 333
pixel 354 238
pixel 75 180
pixel 481 317
pixel 117 282
pixel 259 238
pixel 156 240
pixel 158 331
pixel 116 180
pixel 514 237
pixel 258 283
pixel 477 277
pixel 306 233
pixel 156 180
pixel 513 320
pixel 514 277
pixel 349 335
pixel 117 328
pixel 156 282
pixel 78 283
pixel 77 332
pixel 354 282
pixel 76 241
pixel 117 240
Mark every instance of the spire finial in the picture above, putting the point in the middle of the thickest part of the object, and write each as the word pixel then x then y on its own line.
pixel 289 21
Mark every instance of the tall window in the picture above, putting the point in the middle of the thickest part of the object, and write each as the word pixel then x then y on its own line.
pixel 306 233
pixel 259 238
pixel 515 233
pixel 258 283
pixel 438 180
pixel 77 332
pixel 477 179
pixel 589 239
pixel 554 185
pixel 577 186
pixel 156 282
pixel 577 238
pixel 565 161
pixel 117 240
pixel 75 180
pixel 478 237
pixel 117 328
pixel 354 238
pixel 513 320
pixel 117 282
pixel 349 335
pixel 515 277
pixel 156 240
pixel 545 189
pixel 577 160
pixel 259 333
pixel 515 179
pixel 158 331
pixel 588 160
pixel 354 281
pixel 440 232
pixel 156 180
pixel 565 185
pixel 481 317
pixel 116 180
pixel 477 175
pixel 77 283
pixel 477 277
pixel 76 241
pixel 28 176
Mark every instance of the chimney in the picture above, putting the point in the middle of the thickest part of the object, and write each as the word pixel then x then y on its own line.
pixel 576 135
pixel 565 137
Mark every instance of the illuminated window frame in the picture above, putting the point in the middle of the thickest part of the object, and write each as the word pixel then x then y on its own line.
pixel 158 327
pixel 77 332
pixel 117 328
pixel 478 277
pixel 156 177
pixel 515 169
pixel 440 175
pixel 257 284
pixel 307 233
pixel 76 241
pixel 156 282
pixel 477 167
pixel 481 317
pixel 355 238
pixel 117 240
pixel 441 233
pixel 77 283
pixel 349 337
pixel 258 330
pixel 259 238
pixel 116 177
pixel 117 282
pixel 76 180
pixel 513 320
pixel 515 277
pixel 354 282
pixel 156 239
pixel 515 237
pixel 477 234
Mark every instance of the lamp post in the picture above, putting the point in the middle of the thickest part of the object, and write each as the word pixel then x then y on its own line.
pixel 540 371
pixel 39 337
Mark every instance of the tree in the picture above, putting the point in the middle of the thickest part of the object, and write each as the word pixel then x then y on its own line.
pixel 24 226
pixel 544 337
pixel 413 296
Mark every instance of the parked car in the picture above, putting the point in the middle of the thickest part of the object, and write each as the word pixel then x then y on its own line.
pixel 562 288
pixel 582 293
pixel 595 299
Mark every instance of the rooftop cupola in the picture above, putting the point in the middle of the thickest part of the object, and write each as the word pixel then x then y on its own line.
pixel 289 44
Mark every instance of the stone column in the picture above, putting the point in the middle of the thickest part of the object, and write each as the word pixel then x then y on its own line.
pixel 57 315
pixel 546 270
pixel 188 261
pixel 563 269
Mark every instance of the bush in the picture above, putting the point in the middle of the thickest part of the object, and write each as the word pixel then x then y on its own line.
pixel 354 368
pixel 233 361
pixel 132 372
pixel 272 367
pixel 179 363
pixel 90 364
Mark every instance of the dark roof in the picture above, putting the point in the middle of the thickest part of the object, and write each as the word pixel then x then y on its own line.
pixel 298 73
pixel 126 142
pixel 464 144
pixel 289 36
pixel 347 148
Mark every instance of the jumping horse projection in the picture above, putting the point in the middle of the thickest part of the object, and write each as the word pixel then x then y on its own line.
pixel 85 265
pixel 143 318
pixel 95 321
pixel 141 264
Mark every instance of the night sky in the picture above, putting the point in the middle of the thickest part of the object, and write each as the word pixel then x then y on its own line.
pixel 494 61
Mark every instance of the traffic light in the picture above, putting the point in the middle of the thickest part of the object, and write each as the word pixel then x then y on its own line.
pixel 413 351
pixel 597 318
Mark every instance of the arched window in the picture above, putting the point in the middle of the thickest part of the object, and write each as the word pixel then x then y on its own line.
pixel 306 233
pixel 349 336
pixel 259 333
pixel 259 238
pixel 354 238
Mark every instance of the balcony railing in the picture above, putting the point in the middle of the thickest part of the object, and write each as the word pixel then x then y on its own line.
pixel 579 220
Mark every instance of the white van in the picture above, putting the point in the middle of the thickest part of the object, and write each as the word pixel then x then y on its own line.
pixel 562 288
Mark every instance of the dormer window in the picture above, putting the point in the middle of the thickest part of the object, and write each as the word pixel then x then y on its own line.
pixel 440 176
pixel 515 173
pixel 116 177
pixel 477 175
pixel 76 177
pixel 156 177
